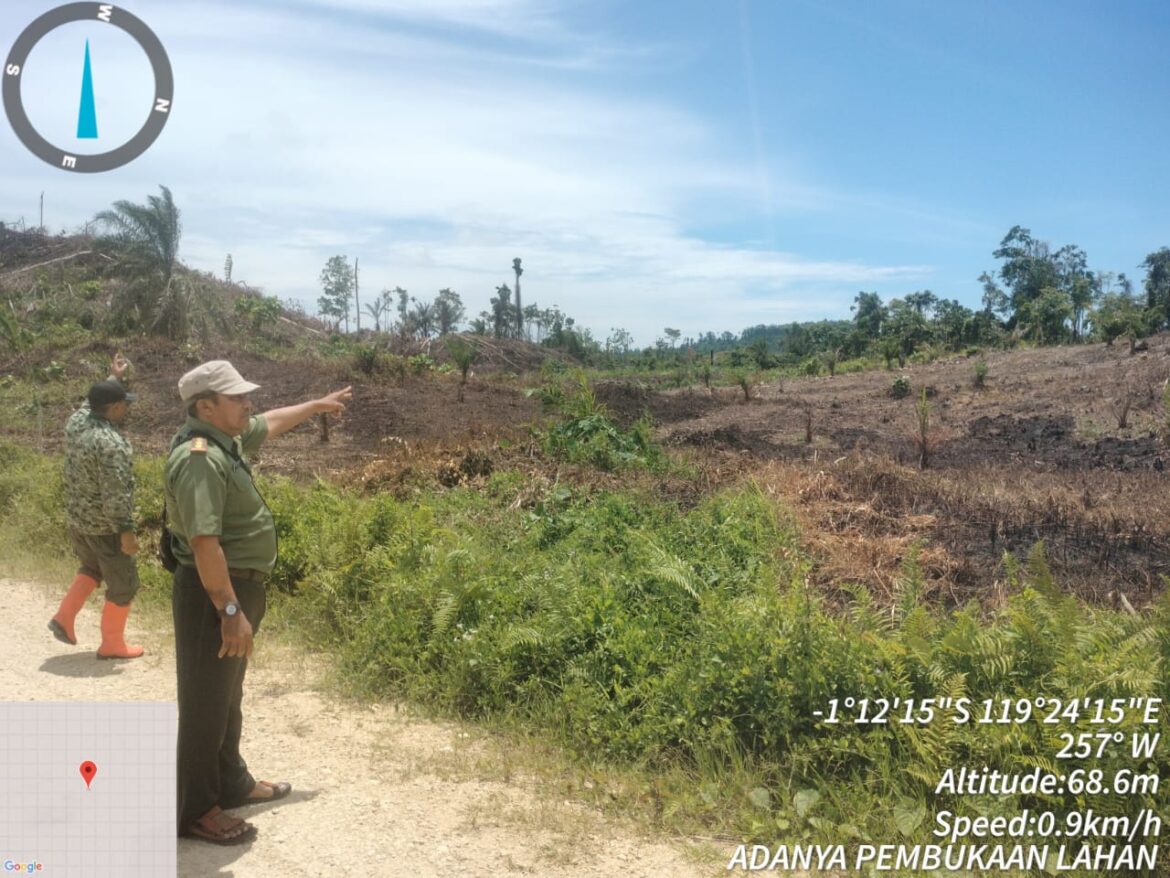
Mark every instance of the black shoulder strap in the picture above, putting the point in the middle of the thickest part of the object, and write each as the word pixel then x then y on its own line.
pixel 229 451
pixel 166 551
pixel 168 556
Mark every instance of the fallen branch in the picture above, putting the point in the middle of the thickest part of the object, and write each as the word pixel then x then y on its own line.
pixel 300 325
pixel 17 271
pixel 483 344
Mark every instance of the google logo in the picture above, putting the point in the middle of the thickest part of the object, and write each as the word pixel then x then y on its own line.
pixel 27 868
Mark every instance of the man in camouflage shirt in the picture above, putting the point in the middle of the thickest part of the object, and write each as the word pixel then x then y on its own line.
pixel 99 509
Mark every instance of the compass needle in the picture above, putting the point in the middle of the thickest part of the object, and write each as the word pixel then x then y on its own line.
pixel 95 15
pixel 87 115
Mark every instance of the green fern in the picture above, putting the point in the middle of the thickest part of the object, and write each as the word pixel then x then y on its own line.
pixel 672 569
pixel 522 636
pixel 445 611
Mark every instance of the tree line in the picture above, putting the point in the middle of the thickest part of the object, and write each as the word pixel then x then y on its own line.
pixel 1037 294
pixel 398 313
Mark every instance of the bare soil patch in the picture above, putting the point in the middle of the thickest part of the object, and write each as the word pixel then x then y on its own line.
pixel 1035 455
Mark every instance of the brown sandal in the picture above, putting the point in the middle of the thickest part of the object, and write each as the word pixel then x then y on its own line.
pixel 219 827
pixel 280 789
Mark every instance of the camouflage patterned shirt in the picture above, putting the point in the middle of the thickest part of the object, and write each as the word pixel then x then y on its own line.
pixel 99 475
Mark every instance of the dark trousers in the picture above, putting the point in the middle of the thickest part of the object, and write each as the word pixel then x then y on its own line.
pixel 211 769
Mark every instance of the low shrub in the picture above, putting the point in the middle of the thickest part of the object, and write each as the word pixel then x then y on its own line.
pixel 980 374
pixel 586 433
pixel 367 359
pixel 641 636
pixel 634 633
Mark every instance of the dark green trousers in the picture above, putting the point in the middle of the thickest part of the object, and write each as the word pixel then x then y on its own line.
pixel 211 770
pixel 102 561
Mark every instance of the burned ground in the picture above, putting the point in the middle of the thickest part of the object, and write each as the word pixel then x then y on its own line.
pixel 1035 454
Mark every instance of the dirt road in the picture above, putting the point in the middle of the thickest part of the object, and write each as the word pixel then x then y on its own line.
pixel 376 792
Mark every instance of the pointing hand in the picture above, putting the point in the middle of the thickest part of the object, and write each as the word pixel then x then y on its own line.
pixel 335 401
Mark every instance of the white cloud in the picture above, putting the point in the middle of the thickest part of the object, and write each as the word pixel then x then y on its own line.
pixel 521 19
pixel 436 162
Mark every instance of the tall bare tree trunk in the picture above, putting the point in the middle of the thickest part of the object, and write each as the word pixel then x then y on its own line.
pixel 519 309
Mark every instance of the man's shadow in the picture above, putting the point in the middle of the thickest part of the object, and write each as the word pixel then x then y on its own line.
pixel 261 805
pixel 203 859
pixel 80 664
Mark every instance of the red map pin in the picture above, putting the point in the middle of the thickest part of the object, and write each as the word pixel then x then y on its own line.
pixel 88 770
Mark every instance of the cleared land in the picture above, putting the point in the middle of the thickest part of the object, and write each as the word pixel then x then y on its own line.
pixel 1036 454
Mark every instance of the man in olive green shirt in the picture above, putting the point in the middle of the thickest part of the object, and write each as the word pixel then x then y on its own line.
pixel 224 539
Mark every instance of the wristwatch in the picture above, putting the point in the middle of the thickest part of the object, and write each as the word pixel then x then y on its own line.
pixel 229 610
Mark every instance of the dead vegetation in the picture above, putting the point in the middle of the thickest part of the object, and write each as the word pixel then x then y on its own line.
pixel 1043 453
pixel 864 517
pixel 1065 445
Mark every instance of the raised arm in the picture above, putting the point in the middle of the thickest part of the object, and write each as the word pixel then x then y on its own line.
pixel 118 368
pixel 284 419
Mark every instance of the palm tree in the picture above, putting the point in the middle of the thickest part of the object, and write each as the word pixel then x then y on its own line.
pixel 374 309
pixel 146 239
pixel 423 318
pixel 501 304
pixel 463 353
pixel 448 310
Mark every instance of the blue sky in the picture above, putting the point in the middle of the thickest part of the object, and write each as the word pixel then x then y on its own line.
pixel 699 165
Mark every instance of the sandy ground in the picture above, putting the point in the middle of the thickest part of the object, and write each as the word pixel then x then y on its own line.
pixel 376 791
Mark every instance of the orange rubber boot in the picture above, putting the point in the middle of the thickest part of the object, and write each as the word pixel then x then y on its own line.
pixel 113 634
pixel 62 624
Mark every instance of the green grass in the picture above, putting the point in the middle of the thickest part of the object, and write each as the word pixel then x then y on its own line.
pixel 686 650
pixel 33 538
pixel 679 657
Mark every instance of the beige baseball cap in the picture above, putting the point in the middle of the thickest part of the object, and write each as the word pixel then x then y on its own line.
pixel 218 375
